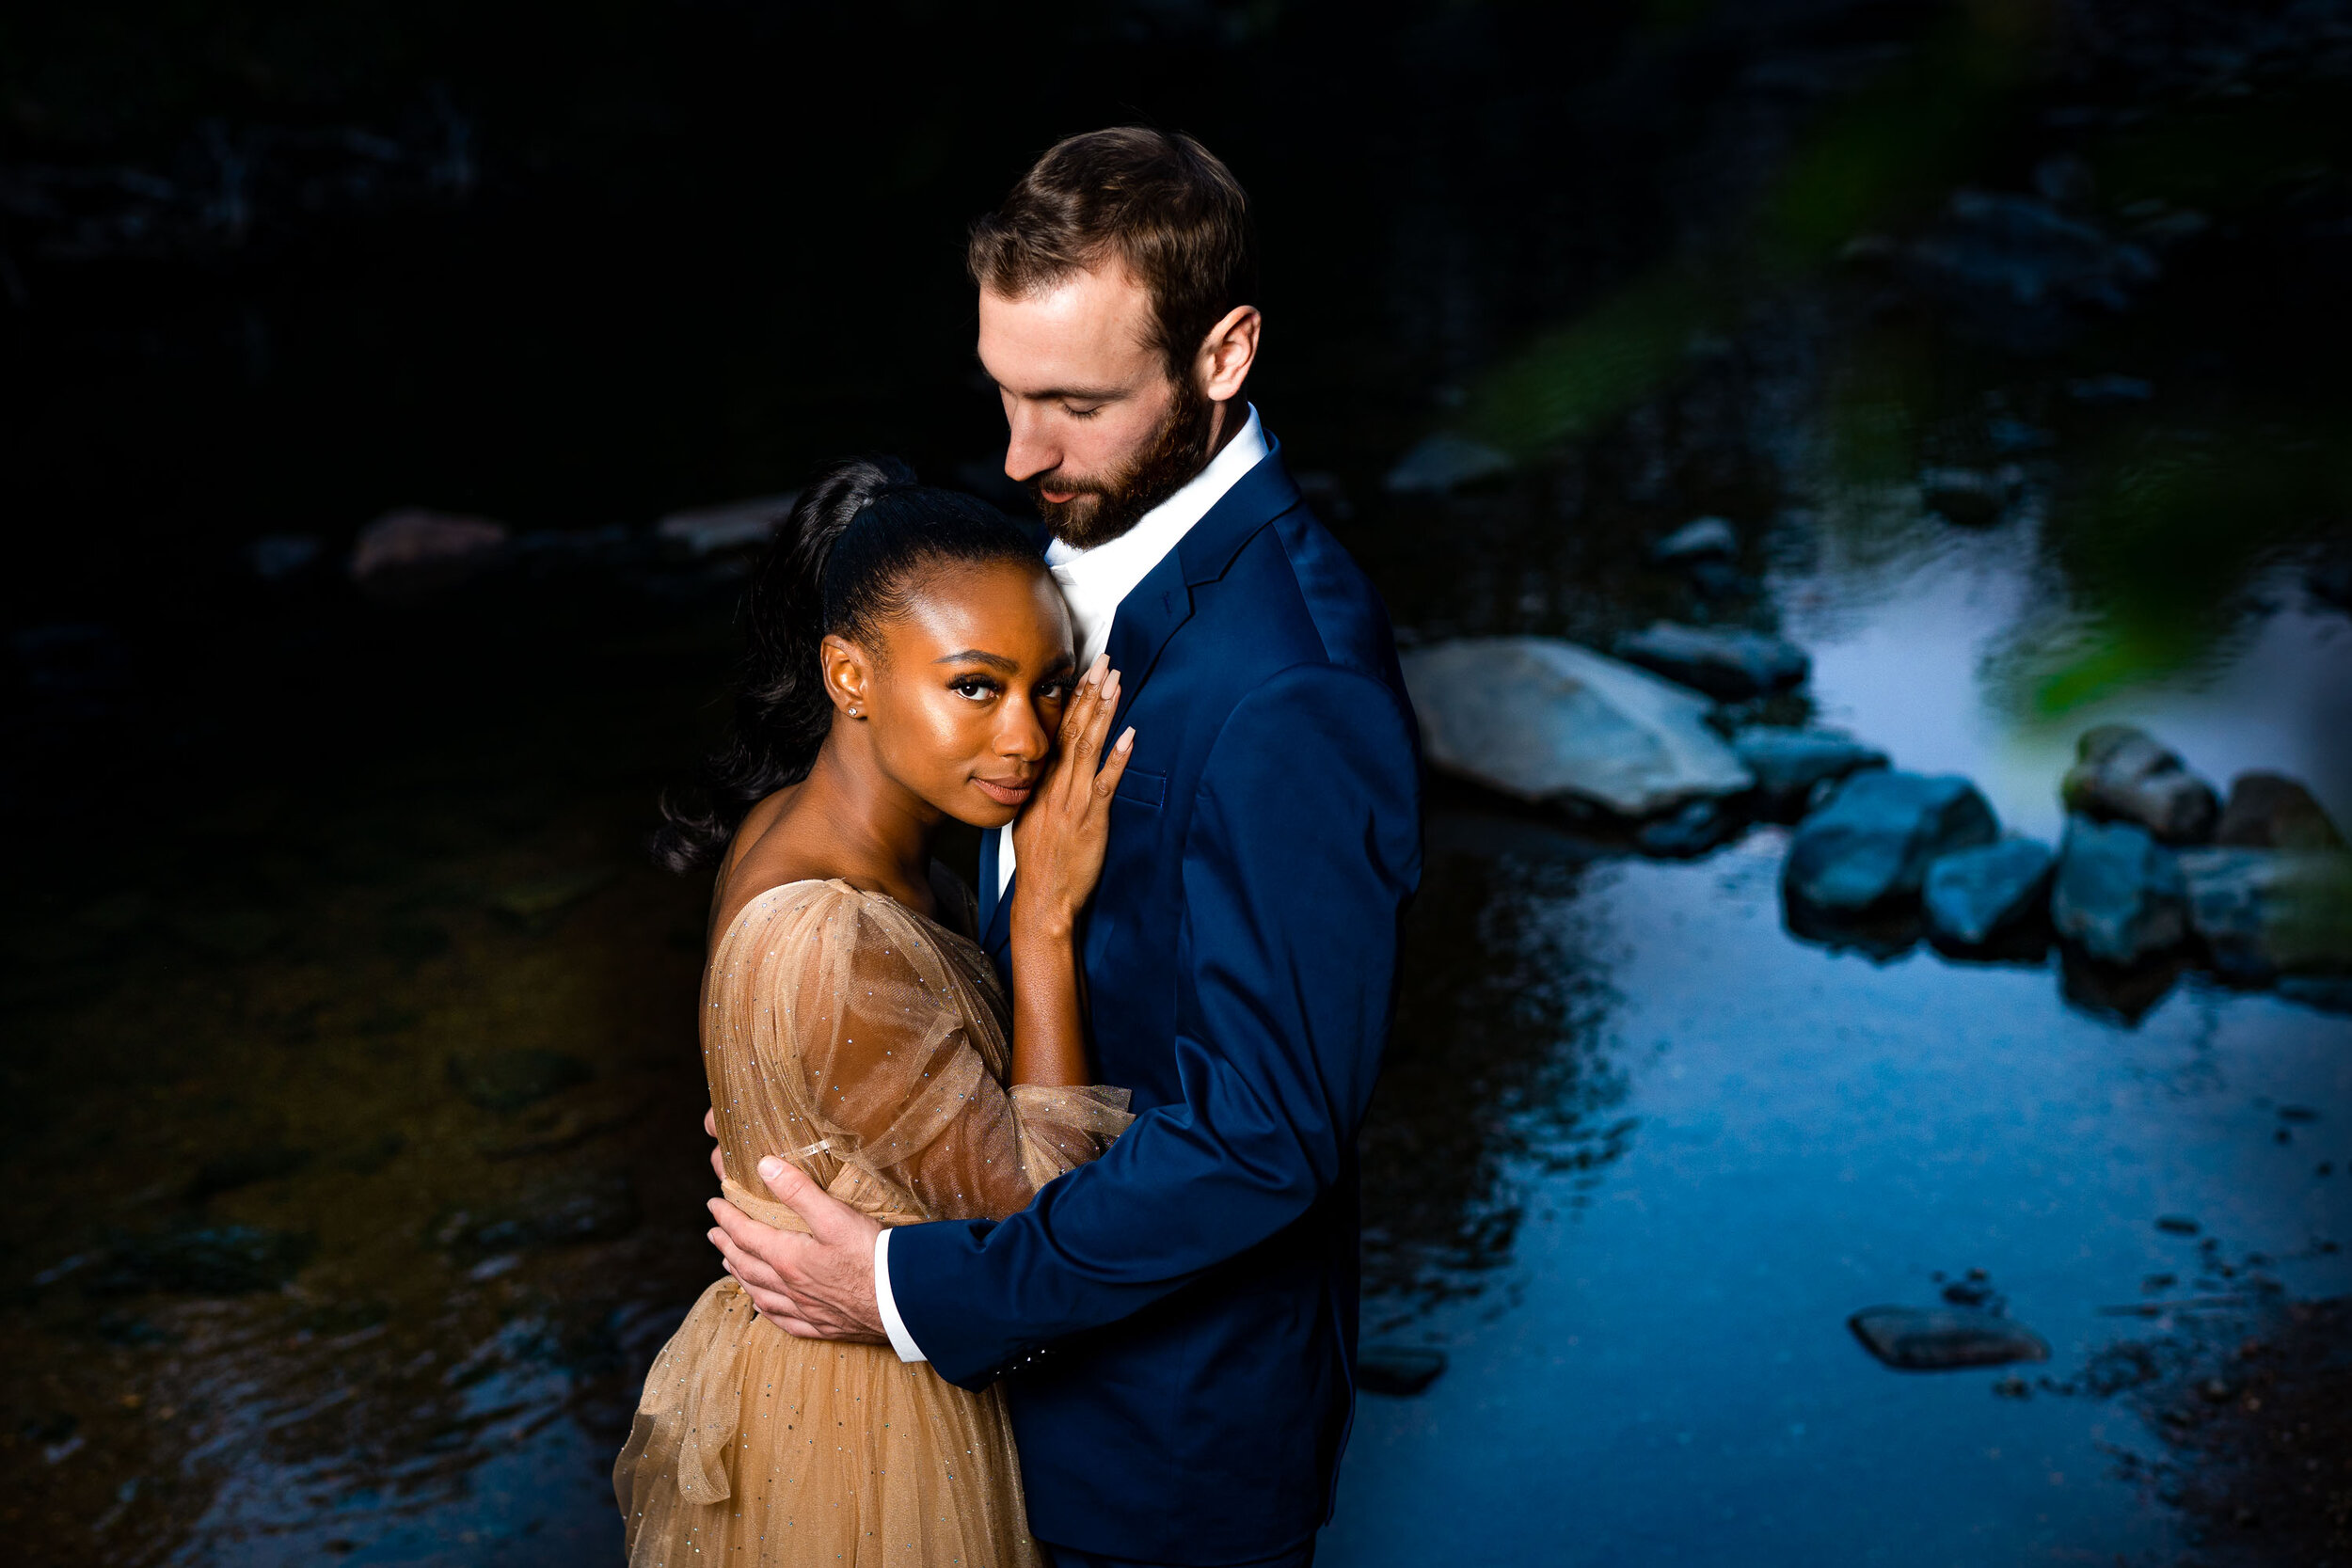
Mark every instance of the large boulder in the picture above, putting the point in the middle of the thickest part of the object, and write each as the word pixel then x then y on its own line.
pixel 2266 913
pixel 1973 896
pixel 2270 811
pixel 1870 846
pixel 1790 763
pixel 2119 896
pixel 1728 664
pixel 1549 721
pixel 2122 773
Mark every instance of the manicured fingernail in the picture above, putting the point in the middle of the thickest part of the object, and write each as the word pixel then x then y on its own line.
pixel 1128 740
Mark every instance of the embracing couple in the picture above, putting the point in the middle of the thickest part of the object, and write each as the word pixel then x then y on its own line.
pixel 1040 1213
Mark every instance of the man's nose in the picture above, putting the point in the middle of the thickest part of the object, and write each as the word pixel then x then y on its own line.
pixel 1028 452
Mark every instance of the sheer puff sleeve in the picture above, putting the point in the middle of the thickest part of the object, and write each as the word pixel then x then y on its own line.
pixel 878 1053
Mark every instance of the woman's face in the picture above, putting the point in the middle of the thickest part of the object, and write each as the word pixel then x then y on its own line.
pixel 964 693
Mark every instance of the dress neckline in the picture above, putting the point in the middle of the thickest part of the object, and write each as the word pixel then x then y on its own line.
pixel 845 886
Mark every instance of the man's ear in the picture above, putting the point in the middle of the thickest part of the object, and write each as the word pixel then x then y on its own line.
pixel 1228 353
pixel 847 673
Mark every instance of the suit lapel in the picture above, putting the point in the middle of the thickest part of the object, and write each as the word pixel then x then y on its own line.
pixel 1151 613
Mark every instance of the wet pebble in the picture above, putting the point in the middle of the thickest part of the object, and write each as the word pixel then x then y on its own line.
pixel 210 1261
pixel 557 1214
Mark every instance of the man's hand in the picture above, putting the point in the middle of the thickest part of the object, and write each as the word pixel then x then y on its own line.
pixel 820 1286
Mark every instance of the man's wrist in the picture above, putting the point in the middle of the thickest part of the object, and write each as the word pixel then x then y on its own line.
pixel 893 1326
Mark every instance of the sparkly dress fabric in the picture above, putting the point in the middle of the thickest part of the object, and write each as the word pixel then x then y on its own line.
pixel 867 1046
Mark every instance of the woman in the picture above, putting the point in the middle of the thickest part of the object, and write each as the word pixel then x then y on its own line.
pixel 910 662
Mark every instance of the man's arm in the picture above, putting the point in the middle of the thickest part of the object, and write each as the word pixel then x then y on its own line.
pixel 1304 845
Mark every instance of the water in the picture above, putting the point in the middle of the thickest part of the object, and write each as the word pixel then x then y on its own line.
pixel 311 890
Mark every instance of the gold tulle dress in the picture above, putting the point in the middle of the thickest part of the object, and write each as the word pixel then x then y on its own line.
pixel 867 1046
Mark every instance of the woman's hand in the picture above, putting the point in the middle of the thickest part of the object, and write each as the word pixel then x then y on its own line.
pixel 1058 844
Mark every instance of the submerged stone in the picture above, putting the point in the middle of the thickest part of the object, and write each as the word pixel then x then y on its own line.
pixel 1871 844
pixel 2122 773
pixel 1789 764
pixel 2270 811
pixel 245 1167
pixel 2264 913
pixel 1548 721
pixel 559 1213
pixel 1399 1371
pixel 504 1080
pixel 1943 1339
pixel 1731 665
pixel 2118 894
pixel 212 1260
pixel 1701 539
pixel 231 931
pixel 537 901
pixel 1974 894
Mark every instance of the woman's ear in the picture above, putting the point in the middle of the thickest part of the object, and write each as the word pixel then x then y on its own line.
pixel 847 671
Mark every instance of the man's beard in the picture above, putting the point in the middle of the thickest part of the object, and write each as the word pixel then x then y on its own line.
pixel 1168 461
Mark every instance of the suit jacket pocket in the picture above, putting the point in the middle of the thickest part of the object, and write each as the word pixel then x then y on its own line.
pixel 1141 788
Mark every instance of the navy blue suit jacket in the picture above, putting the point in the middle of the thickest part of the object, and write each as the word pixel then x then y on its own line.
pixel 1178 1319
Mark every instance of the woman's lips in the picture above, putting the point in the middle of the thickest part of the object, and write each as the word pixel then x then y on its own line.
pixel 1006 794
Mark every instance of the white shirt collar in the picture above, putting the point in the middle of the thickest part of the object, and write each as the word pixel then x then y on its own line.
pixel 1093 581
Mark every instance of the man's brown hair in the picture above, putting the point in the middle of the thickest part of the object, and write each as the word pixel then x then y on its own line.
pixel 1159 200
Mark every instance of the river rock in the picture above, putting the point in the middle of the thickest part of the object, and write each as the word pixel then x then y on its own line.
pixel 1701 539
pixel 1871 844
pixel 2119 896
pixel 1443 464
pixel 1730 665
pixel 1968 496
pixel 1971 896
pixel 414 547
pixel 1943 1339
pixel 204 1259
pixel 1693 831
pixel 2270 811
pixel 505 1081
pixel 2265 912
pixel 1789 764
pixel 1546 720
pixel 558 1213
pixel 736 525
pixel 2122 773
pixel 1398 1371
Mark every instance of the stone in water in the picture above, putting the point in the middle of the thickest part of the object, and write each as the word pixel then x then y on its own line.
pixel 1941 1339
pixel 1546 719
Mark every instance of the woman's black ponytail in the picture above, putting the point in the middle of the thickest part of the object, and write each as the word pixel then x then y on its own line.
pixel 811 583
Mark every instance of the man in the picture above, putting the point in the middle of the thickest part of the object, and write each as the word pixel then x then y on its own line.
pixel 1177 1320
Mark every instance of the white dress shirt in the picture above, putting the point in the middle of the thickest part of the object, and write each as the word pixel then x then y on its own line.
pixel 1093 582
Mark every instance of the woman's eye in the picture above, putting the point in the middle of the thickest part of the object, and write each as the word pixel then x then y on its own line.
pixel 1053 692
pixel 976 688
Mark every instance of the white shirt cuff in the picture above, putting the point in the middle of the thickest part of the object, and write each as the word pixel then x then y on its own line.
pixel 900 1340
